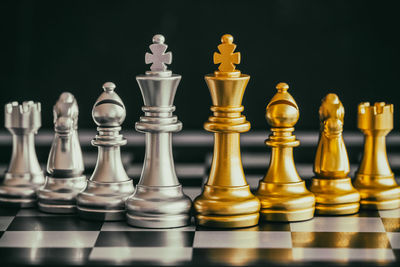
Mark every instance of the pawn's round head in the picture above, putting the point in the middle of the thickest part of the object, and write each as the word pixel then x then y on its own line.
pixel 282 111
pixel 109 110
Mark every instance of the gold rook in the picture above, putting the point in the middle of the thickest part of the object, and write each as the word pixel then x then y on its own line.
pixel 374 178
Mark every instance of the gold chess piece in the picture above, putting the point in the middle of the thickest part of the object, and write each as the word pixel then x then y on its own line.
pixel 334 193
pixel 374 178
pixel 283 194
pixel 226 200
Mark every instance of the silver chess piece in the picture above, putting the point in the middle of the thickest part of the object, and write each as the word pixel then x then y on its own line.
pixel 24 174
pixel 65 167
pixel 159 201
pixel 109 186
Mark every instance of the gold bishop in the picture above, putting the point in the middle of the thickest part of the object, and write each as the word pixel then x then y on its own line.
pixel 282 192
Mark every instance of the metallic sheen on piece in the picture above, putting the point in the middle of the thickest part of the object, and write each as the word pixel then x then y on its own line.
pixel 65 167
pixel 283 194
pixel 109 186
pixel 226 200
pixel 24 175
pixel 374 178
pixel 334 192
pixel 158 201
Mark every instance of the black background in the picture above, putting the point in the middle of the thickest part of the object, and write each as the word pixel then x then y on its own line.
pixel 347 47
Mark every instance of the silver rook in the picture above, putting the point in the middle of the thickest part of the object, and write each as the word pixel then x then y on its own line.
pixel 24 174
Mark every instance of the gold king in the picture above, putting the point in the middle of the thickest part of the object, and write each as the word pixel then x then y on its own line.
pixel 226 200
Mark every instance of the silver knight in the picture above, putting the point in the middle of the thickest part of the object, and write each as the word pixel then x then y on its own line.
pixel 65 167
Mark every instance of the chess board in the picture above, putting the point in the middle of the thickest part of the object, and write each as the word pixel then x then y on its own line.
pixel 29 237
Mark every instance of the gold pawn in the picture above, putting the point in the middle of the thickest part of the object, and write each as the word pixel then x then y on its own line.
pixel 374 178
pixel 283 195
pixel 226 200
pixel 334 193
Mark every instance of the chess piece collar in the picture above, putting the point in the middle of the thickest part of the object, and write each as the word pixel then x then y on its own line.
pixel 158 87
pixel 227 86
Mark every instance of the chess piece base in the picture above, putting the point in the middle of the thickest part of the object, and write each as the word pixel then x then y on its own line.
pixel 158 207
pixel 239 221
pixel 227 207
pixel 101 214
pixel 337 209
pixel 17 202
pixel 20 190
pixel 287 202
pixel 380 205
pixel 58 195
pixel 104 201
pixel 335 196
pixel 378 192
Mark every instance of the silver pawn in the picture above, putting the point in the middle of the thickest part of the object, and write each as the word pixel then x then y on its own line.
pixel 24 174
pixel 159 201
pixel 65 167
pixel 109 186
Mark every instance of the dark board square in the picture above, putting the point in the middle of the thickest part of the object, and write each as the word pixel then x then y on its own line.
pixel 39 256
pixel 262 226
pixel 256 228
pixel 397 254
pixel 340 240
pixel 240 256
pixel 273 226
pixel 366 213
pixel 53 223
pixel 145 239
pixel 391 224
pixel 8 211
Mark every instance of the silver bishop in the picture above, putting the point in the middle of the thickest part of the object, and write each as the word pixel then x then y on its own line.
pixel 109 186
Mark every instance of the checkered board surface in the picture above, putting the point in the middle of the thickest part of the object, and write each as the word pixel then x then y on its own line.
pixel 30 237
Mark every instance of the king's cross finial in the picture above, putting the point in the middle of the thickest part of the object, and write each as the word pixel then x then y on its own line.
pixel 158 58
pixel 226 58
